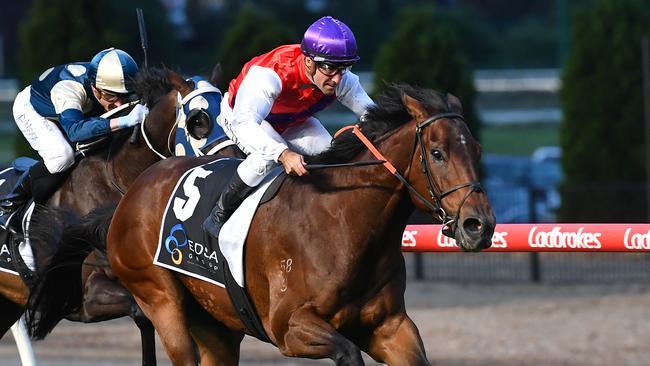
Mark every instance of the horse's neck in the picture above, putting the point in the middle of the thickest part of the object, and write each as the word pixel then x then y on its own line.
pixel 129 161
pixel 356 230
pixel 160 125
pixel 371 201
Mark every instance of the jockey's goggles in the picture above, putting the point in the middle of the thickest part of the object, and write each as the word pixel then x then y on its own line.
pixel 331 69
pixel 112 97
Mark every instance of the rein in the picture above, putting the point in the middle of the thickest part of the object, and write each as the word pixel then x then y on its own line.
pixel 343 165
pixel 149 145
pixel 437 195
pixel 121 190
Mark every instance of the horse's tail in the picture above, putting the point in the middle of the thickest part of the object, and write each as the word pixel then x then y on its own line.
pixel 58 290
pixel 95 225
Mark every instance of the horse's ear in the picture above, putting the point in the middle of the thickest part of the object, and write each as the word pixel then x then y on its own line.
pixel 178 82
pixel 454 103
pixel 414 108
pixel 217 74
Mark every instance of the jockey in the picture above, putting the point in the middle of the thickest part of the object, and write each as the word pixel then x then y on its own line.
pixel 62 106
pixel 268 109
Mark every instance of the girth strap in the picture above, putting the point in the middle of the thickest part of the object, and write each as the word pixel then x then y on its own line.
pixel 240 299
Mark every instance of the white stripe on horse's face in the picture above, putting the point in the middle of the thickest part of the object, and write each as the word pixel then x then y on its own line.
pixel 462 139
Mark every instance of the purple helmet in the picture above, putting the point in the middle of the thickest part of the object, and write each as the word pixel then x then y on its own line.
pixel 329 39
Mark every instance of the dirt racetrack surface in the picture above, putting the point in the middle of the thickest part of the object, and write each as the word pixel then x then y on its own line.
pixel 461 325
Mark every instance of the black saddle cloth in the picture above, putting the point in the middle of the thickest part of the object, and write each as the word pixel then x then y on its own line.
pixel 182 241
pixel 185 248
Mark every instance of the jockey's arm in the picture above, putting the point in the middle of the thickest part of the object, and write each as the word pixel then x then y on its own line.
pixel 68 98
pixel 352 95
pixel 136 116
pixel 253 103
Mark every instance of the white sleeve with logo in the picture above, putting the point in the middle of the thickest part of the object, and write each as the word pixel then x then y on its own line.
pixel 68 94
pixel 254 100
pixel 351 94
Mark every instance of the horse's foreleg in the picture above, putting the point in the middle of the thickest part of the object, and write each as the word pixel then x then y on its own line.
pixel 104 298
pixel 312 337
pixel 217 344
pixel 147 334
pixel 397 341
pixel 161 298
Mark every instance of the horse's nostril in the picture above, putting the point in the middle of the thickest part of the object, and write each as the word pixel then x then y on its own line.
pixel 472 226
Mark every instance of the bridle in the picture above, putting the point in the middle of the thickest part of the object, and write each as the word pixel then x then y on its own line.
pixel 450 223
pixel 181 101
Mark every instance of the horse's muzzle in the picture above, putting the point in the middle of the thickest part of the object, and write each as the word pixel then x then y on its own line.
pixel 474 233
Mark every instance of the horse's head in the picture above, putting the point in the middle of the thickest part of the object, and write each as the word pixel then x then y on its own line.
pixel 444 169
pixel 179 105
pixel 157 88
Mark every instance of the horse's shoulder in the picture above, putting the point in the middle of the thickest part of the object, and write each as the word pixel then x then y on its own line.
pixel 176 163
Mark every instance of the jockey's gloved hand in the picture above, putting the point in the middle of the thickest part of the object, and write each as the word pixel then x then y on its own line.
pixel 137 115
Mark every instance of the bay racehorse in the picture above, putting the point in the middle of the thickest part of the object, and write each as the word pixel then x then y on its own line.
pixel 98 179
pixel 324 269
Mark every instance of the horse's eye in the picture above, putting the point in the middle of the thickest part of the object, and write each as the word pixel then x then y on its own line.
pixel 437 154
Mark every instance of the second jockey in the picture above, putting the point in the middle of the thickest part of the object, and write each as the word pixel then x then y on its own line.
pixel 268 109
pixel 62 106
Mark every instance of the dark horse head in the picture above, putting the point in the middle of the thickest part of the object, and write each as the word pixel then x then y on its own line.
pixel 441 176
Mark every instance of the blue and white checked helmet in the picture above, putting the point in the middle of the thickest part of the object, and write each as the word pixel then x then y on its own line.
pixel 112 69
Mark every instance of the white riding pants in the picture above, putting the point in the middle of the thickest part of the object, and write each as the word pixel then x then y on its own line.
pixel 307 138
pixel 43 135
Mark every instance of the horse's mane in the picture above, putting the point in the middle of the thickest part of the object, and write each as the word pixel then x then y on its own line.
pixel 151 84
pixel 388 114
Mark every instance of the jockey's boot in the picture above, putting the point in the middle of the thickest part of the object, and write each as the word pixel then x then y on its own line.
pixel 231 197
pixel 20 193
pixel 36 182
